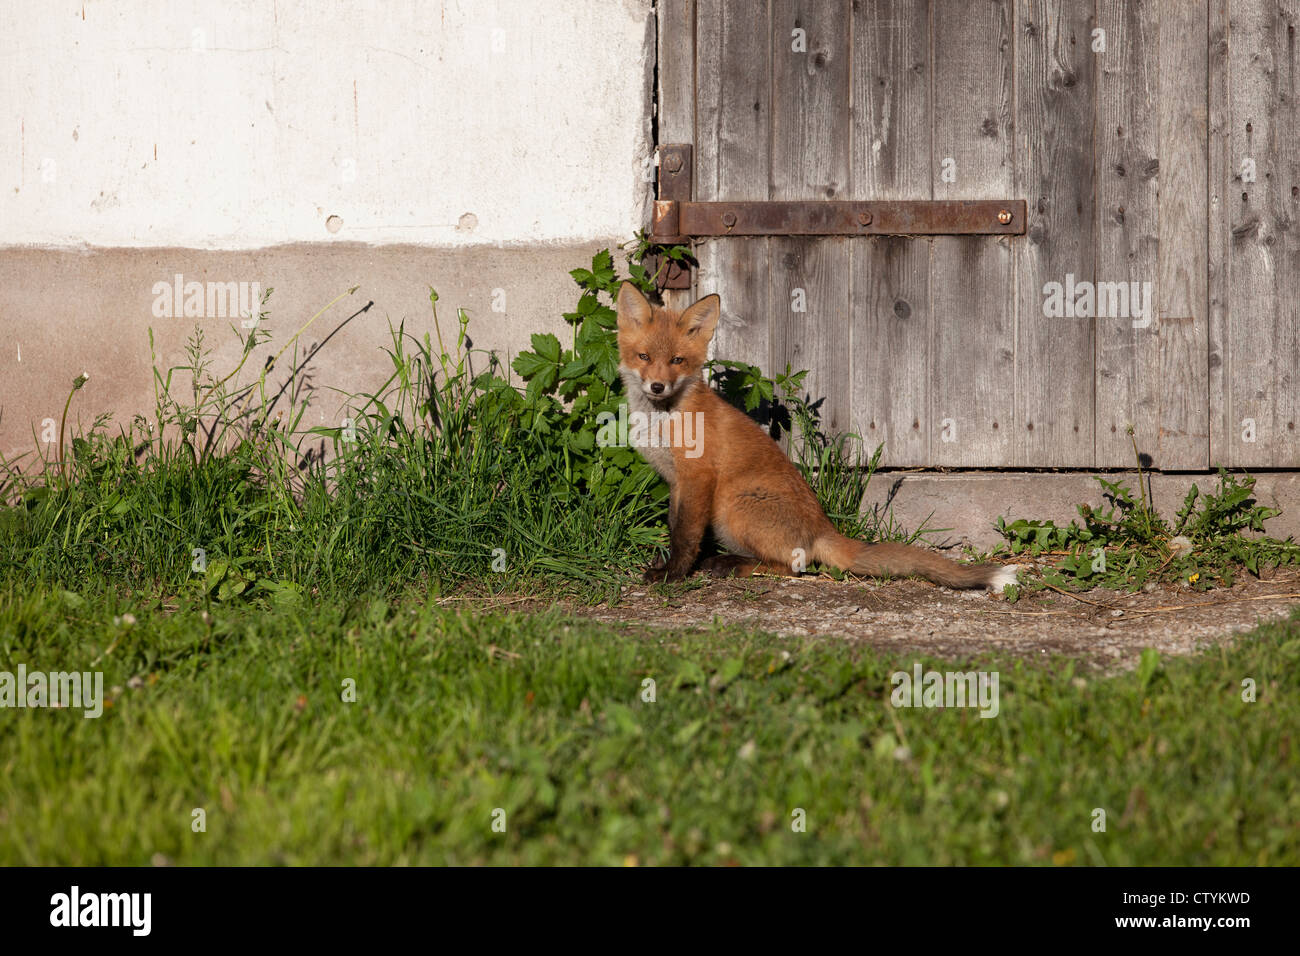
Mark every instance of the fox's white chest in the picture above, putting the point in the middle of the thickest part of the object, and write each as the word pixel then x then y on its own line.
pixel 653 437
pixel 661 460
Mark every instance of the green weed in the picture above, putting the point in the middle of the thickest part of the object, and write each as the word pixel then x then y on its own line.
pixel 1212 537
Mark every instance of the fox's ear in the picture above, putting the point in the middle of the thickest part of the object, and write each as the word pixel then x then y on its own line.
pixel 633 308
pixel 702 317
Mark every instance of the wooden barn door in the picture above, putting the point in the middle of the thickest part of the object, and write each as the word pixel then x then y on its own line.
pixel 939 346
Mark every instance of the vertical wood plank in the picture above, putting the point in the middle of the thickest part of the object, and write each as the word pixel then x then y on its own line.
pixel 890 133
pixel 889 287
pixel 972 357
pixel 815 272
pixel 676 108
pixel 733 102
pixel 732 148
pixel 1128 220
pixel 1285 439
pixel 810 160
pixel 1262 370
pixel 1182 310
pixel 890 353
pixel 676 51
pixel 810 99
pixel 1055 108
pixel 1220 191
pixel 1252 305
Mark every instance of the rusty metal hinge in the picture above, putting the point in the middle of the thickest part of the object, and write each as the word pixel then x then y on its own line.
pixel 678 219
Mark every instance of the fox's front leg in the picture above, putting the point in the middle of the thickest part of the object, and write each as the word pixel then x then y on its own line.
pixel 688 518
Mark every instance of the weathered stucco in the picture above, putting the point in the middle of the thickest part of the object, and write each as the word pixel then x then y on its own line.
pixel 238 125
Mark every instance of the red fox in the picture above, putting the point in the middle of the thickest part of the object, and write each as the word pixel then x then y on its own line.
pixel 724 471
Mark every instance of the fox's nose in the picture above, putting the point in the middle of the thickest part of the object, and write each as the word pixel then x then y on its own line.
pixel 657 387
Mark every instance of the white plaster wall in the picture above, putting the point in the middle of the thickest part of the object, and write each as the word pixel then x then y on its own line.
pixel 248 123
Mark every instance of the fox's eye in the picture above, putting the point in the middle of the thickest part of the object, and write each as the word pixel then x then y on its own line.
pixel 678 360
pixel 643 357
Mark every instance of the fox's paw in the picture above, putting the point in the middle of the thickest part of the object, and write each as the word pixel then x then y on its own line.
pixel 656 572
pixel 663 572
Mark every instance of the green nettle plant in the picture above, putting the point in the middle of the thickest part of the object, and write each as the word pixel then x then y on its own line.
pixel 569 390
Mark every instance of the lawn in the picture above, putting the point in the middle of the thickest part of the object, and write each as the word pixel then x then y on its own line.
pixel 479 737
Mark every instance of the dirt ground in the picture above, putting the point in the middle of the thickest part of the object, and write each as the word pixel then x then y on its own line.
pixel 1102 629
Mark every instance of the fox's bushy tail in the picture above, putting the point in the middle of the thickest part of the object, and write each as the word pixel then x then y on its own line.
pixel 901 560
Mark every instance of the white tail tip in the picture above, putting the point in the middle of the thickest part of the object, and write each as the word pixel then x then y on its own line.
pixel 1002 577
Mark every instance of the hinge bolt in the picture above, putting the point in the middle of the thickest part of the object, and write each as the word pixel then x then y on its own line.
pixel 673 162
pixel 728 219
pixel 864 219
pixel 1004 216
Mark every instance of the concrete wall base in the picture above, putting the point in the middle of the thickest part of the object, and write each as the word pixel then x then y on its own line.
pixel 65 312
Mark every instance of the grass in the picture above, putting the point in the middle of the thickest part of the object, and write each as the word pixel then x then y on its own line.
pixel 239 711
